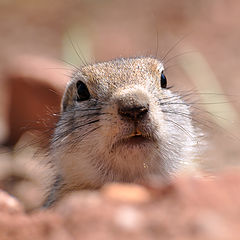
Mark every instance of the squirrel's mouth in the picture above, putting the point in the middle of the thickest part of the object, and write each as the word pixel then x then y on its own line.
pixel 133 140
pixel 136 139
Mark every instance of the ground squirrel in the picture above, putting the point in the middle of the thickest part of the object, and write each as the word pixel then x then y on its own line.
pixel 119 123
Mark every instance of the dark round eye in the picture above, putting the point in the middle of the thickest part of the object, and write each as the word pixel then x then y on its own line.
pixel 82 91
pixel 163 80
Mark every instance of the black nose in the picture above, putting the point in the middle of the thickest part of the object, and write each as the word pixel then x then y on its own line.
pixel 133 113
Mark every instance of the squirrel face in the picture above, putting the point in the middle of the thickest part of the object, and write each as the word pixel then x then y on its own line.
pixel 119 122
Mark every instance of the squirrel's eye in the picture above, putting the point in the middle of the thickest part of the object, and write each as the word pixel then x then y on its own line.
pixel 163 80
pixel 82 91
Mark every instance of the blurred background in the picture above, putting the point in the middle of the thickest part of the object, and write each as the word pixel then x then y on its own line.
pixel 42 41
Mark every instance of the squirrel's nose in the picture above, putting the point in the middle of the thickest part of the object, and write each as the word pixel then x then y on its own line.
pixel 133 113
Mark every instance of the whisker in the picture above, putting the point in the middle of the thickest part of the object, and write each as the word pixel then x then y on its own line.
pixel 76 140
pixel 192 103
pixel 179 55
pixel 191 117
pixel 70 64
pixel 156 55
pixel 181 128
pixel 65 134
pixel 174 46
pixel 83 60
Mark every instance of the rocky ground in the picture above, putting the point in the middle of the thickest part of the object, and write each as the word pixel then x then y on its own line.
pixel 33 75
pixel 189 208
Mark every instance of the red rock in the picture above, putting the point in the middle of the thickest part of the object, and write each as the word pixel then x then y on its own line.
pixel 131 193
pixel 35 87
pixel 9 204
pixel 189 208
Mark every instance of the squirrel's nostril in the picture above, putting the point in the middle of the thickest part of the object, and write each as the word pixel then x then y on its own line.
pixel 133 113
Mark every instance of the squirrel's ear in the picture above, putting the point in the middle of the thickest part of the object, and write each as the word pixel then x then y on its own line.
pixel 69 95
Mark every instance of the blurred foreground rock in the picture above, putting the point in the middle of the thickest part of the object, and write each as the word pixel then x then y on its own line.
pixel 189 208
pixel 31 88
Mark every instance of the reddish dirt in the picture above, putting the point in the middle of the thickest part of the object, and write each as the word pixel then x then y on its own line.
pixel 189 208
